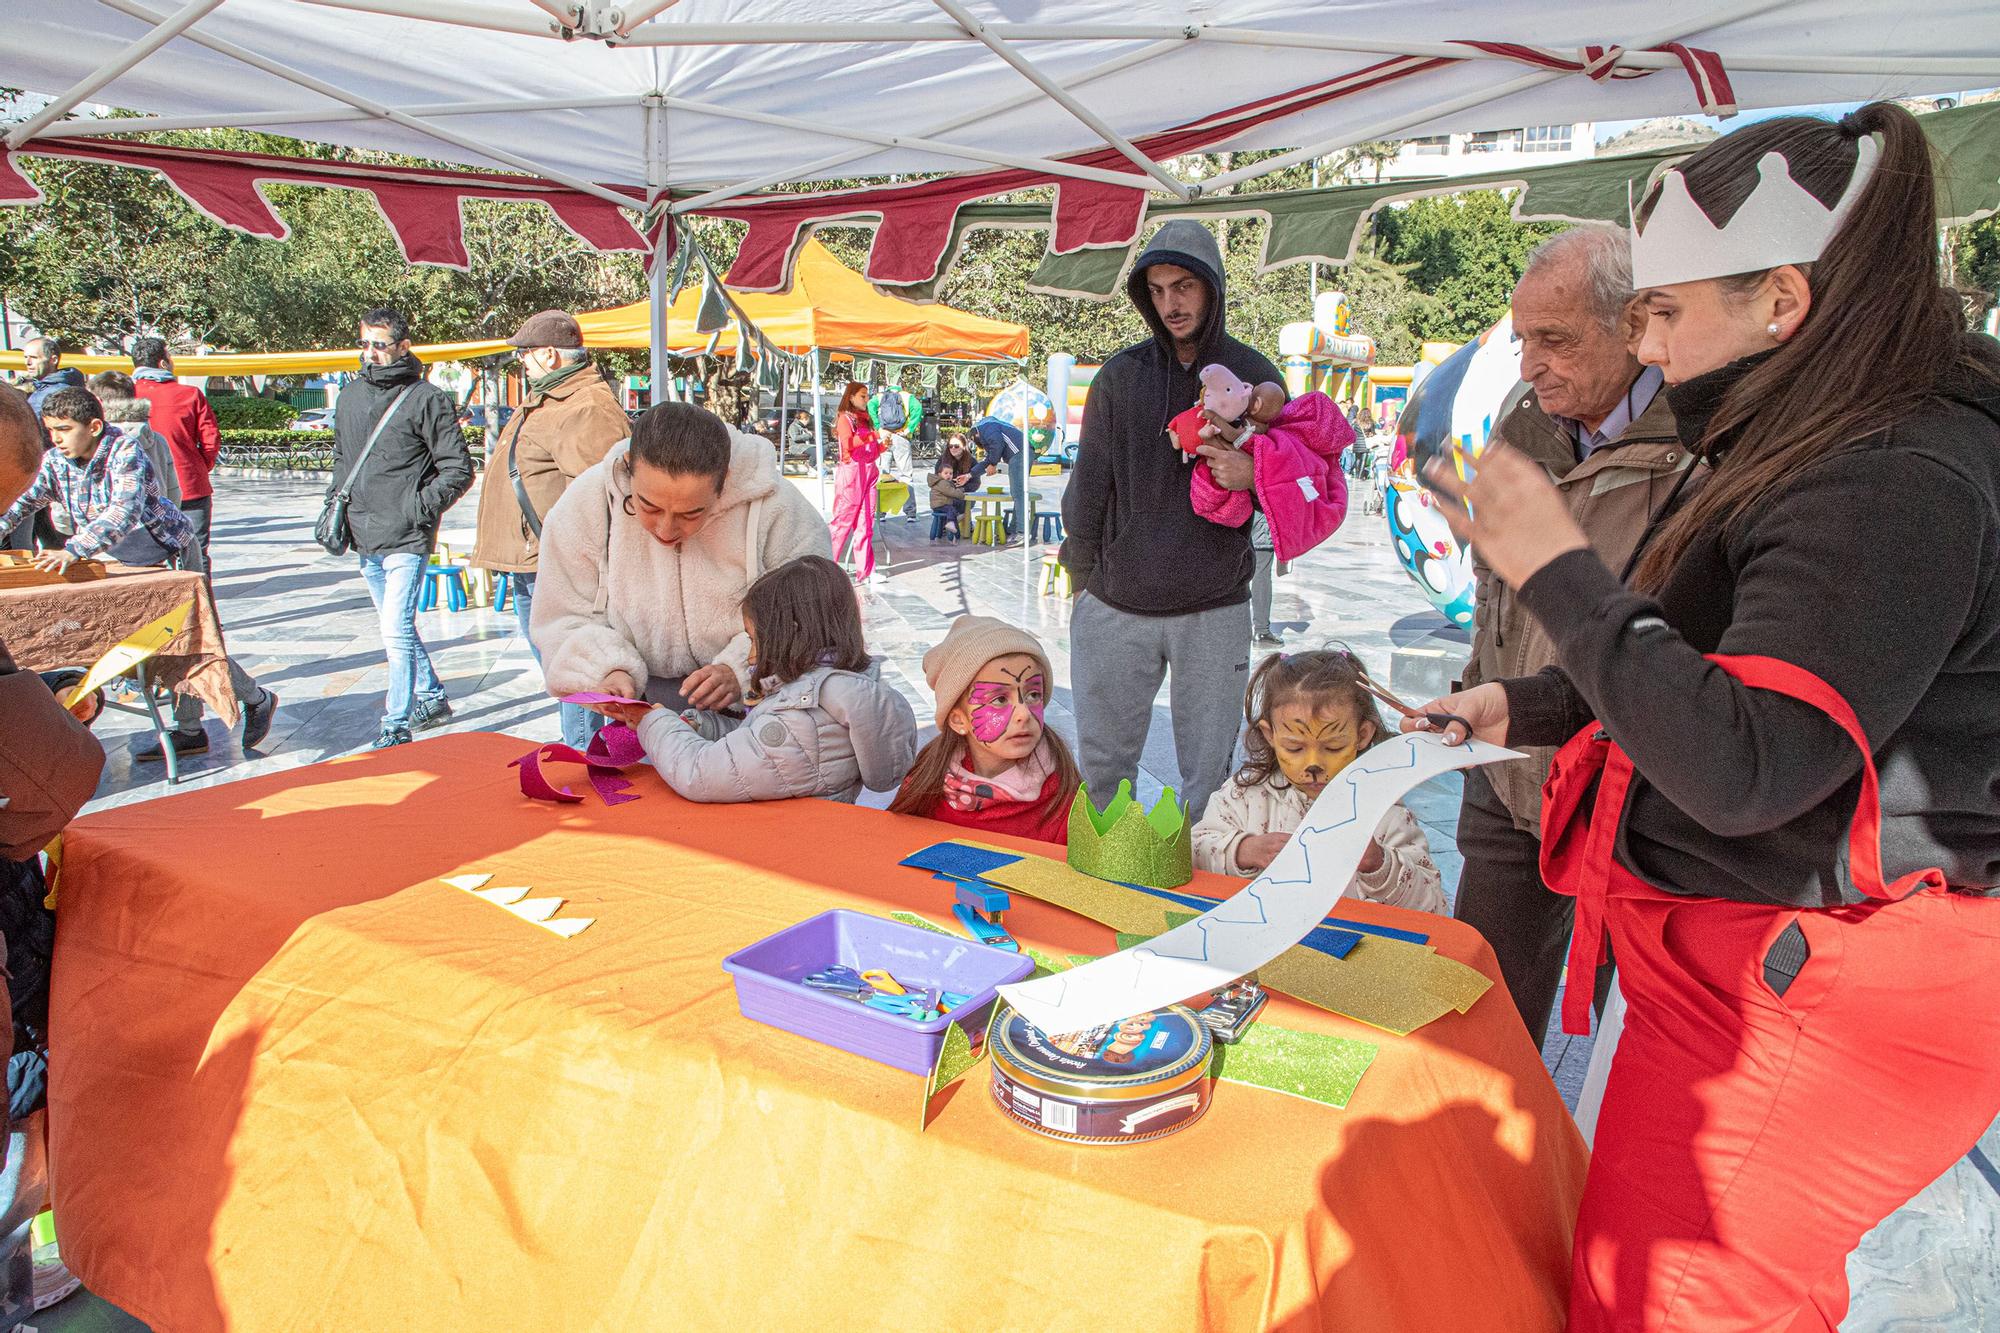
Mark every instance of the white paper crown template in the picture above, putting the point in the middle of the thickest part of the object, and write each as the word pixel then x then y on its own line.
pixel 1780 223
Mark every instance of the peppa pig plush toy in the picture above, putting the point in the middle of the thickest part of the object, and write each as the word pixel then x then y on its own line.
pixel 1246 407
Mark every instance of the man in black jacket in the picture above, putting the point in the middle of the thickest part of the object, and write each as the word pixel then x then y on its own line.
pixel 1163 588
pixel 415 468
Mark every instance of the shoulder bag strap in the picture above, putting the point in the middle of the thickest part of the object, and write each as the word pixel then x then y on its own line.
pixel 520 424
pixel 346 486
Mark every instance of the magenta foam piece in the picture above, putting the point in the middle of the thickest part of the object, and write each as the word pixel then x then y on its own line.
pixel 534 784
pixel 611 749
pixel 610 787
pixel 616 746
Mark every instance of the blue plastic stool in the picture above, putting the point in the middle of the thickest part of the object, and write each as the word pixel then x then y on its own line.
pixel 456 596
pixel 939 518
pixel 1048 526
pixel 503 590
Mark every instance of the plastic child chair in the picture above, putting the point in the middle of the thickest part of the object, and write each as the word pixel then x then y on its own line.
pixel 1055 577
pixel 989 529
pixel 503 590
pixel 1048 525
pixel 453 576
pixel 941 528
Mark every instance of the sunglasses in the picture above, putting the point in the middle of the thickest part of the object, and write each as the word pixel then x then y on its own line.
pixel 373 345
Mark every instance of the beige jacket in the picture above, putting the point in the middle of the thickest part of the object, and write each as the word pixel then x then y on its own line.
pixel 1611 494
pixel 1407 877
pixel 610 598
pixel 551 440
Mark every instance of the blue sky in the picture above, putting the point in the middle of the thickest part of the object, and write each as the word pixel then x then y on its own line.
pixel 1608 128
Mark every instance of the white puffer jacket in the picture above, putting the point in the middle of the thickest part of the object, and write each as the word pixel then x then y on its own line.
pixel 610 598
pixel 828 733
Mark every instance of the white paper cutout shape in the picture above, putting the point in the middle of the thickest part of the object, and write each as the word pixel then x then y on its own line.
pixel 1246 931
pixel 467 882
pixel 535 909
pixel 504 897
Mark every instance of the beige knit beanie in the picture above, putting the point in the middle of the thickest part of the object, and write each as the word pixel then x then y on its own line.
pixel 970 643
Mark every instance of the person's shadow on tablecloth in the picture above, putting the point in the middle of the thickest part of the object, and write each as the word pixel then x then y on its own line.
pixel 1412 1227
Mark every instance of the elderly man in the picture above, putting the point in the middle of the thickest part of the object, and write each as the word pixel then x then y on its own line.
pixel 49 765
pixel 43 359
pixel 569 421
pixel 1597 420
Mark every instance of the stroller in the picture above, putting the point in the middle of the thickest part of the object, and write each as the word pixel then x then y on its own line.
pixel 1370 472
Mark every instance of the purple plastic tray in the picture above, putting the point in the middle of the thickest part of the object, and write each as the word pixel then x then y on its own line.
pixel 770 989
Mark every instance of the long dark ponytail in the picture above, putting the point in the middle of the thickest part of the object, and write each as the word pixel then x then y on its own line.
pixel 1882 333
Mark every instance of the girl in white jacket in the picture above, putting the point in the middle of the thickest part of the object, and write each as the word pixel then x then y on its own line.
pixel 821 723
pixel 645 560
pixel 1309 718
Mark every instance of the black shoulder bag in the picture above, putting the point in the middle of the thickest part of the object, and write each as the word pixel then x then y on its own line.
pixel 331 530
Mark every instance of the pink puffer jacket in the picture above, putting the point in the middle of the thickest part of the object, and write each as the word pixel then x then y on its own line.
pixel 1299 483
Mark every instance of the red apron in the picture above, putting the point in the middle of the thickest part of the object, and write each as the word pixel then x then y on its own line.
pixel 1579 840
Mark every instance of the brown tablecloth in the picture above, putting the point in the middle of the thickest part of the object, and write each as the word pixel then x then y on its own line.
pixel 74 624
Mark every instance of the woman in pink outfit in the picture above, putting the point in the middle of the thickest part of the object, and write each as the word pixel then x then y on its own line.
pixel 854 480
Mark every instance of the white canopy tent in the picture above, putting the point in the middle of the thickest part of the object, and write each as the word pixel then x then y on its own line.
pixel 711 99
pixel 695 105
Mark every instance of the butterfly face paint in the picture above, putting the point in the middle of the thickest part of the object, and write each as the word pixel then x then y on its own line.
pixel 992 711
pixel 1003 709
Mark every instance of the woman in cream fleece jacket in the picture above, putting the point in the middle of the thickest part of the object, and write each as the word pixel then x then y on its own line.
pixel 646 558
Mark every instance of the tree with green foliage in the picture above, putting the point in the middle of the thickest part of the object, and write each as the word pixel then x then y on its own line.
pixel 1466 251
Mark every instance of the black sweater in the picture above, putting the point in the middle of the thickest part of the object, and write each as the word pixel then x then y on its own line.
pixel 1131 534
pixel 1878 570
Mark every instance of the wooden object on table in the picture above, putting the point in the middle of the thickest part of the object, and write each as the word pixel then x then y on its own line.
pixel 18 570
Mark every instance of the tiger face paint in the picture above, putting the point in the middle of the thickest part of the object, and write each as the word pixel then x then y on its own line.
pixel 1001 714
pixel 1312 746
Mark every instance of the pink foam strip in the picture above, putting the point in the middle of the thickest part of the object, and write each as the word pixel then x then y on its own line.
pixel 537 786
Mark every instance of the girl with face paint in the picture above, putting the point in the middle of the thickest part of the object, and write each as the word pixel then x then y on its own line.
pixel 1309 718
pixel 994 764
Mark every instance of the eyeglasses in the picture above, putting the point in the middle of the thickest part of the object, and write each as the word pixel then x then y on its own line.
pixel 373 345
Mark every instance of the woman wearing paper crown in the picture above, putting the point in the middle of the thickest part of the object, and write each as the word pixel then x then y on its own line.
pixel 1778 799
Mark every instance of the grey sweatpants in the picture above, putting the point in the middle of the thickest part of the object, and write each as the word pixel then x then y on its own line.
pixel 1260 591
pixel 1117 661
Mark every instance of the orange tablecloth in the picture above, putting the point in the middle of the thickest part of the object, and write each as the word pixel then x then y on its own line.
pixel 298 1083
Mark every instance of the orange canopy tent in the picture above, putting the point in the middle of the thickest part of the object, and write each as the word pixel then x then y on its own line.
pixel 828 307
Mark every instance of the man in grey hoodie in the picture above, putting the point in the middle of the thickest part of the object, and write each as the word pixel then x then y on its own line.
pixel 1164 590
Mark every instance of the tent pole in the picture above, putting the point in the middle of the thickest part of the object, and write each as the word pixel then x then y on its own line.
pixel 819 433
pixel 656 323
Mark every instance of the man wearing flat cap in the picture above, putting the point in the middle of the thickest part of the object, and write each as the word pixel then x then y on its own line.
pixel 567 422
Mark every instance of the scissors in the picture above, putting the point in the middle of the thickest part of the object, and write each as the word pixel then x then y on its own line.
pixel 1440 721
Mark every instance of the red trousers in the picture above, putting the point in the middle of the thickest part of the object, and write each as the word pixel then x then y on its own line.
pixel 1747 1140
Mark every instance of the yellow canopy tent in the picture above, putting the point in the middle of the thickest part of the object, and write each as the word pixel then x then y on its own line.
pixel 828 306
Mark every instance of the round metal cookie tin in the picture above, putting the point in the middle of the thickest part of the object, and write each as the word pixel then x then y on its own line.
pixel 1127 1082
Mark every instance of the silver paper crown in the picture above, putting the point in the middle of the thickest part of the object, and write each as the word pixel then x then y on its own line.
pixel 1780 223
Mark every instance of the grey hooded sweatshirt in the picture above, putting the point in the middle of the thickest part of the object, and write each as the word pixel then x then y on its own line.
pixel 1133 537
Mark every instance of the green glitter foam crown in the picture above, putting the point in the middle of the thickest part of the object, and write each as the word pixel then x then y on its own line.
pixel 1126 842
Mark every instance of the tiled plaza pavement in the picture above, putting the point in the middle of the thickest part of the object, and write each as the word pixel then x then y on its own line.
pixel 301 622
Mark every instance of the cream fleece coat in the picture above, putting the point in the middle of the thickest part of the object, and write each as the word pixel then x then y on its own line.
pixel 610 598
pixel 1407 876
